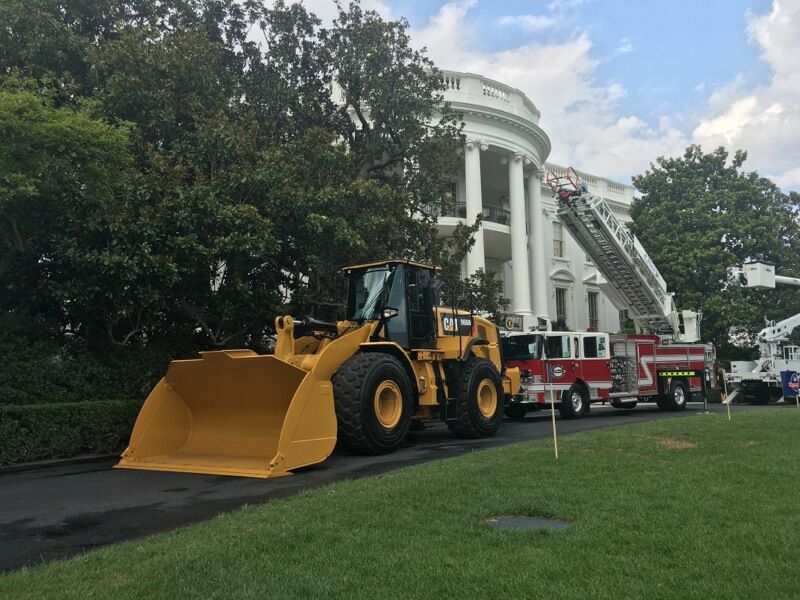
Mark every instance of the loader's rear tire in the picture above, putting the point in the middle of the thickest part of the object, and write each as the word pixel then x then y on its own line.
pixel 373 401
pixel 479 400
pixel 677 397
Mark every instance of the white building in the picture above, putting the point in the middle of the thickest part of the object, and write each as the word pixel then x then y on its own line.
pixel 544 271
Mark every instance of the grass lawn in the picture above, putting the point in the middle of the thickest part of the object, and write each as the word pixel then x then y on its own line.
pixel 695 507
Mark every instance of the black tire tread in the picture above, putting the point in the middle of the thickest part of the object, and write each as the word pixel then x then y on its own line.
pixel 565 406
pixel 463 425
pixel 347 386
pixel 515 412
pixel 666 401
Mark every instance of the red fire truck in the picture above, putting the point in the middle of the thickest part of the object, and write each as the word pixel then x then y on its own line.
pixel 661 362
pixel 574 369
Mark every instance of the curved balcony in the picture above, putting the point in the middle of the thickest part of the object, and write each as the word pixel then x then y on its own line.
pixel 468 88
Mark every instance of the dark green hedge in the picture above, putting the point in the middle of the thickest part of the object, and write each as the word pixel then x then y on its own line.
pixel 41 372
pixel 42 431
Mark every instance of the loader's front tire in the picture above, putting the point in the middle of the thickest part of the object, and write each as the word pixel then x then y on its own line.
pixel 479 400
pixel 373 400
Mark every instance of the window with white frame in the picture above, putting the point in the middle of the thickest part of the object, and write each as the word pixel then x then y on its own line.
pixel 594 319
pixel 561 303
pixel 558 239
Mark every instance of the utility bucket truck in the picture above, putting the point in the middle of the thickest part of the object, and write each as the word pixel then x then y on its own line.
pixel 661 362
pixel 760 380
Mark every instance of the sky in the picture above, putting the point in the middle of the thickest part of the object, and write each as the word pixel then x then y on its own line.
pixel 620 83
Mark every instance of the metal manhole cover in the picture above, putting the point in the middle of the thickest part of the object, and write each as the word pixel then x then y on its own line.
pixel 526 523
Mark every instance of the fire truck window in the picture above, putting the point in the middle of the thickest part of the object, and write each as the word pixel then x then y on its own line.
pixel 594 346
pixel 558 346
pixel 590 347
pixel 577 353
pixel 522 347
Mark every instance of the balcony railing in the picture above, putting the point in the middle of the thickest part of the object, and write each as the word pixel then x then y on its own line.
pixel 494 214
pixel 475 89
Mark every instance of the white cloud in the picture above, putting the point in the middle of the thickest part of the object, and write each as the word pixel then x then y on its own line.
pixel 765 119
pixel 580 115
pixel 529 22
pixel 583 117
pixel 624 46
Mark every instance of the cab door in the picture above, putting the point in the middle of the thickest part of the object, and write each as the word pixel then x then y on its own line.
pixel 596 364
pixel 562 367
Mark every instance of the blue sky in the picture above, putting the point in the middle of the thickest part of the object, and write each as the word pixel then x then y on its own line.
pixel 620 82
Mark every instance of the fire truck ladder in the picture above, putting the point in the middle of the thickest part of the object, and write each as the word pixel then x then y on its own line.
pixel 631 278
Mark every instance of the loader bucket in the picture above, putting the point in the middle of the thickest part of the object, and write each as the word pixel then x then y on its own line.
pixel 233 412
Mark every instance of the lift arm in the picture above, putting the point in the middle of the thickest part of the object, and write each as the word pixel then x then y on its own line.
pixel 761 275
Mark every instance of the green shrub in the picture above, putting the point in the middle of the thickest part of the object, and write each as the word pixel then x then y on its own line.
pixel 43 431
pixel 43 372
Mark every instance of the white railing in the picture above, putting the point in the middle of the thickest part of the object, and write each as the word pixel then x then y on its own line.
pixel 494 91
pixel 451 82
pixel 611 190
pixel 476 89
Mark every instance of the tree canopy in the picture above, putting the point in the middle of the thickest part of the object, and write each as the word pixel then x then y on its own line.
pixel 703 212
pixel 186 169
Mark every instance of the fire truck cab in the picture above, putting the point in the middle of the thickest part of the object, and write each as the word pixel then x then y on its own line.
pixel 573 369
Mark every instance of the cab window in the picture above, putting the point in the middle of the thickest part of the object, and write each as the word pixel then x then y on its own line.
pixel 522 347
pixel 594 346
pixel 558 346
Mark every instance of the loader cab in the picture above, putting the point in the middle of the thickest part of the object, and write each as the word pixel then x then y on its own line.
pixel 403 286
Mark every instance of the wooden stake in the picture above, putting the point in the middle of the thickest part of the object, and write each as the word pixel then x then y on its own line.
pixel 553 414
pixel 727 401
pixel 552 408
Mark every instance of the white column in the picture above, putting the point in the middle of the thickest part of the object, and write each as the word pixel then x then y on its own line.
pixel 474 201
pixel 520 275
pixel 538 251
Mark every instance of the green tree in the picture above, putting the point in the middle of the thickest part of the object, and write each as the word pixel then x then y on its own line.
pixel 57 165
pixel 701 213
pixel 249 184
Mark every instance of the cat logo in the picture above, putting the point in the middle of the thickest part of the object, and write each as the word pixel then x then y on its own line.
pixel 456 324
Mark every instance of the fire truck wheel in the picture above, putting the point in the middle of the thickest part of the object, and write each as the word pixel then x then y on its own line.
pixel 574 402
pixel 479 400
pixel 677 397
pixel 619 404
pixel 516 412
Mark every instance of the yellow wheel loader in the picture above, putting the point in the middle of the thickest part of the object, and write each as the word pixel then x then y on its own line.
pixel 396 357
